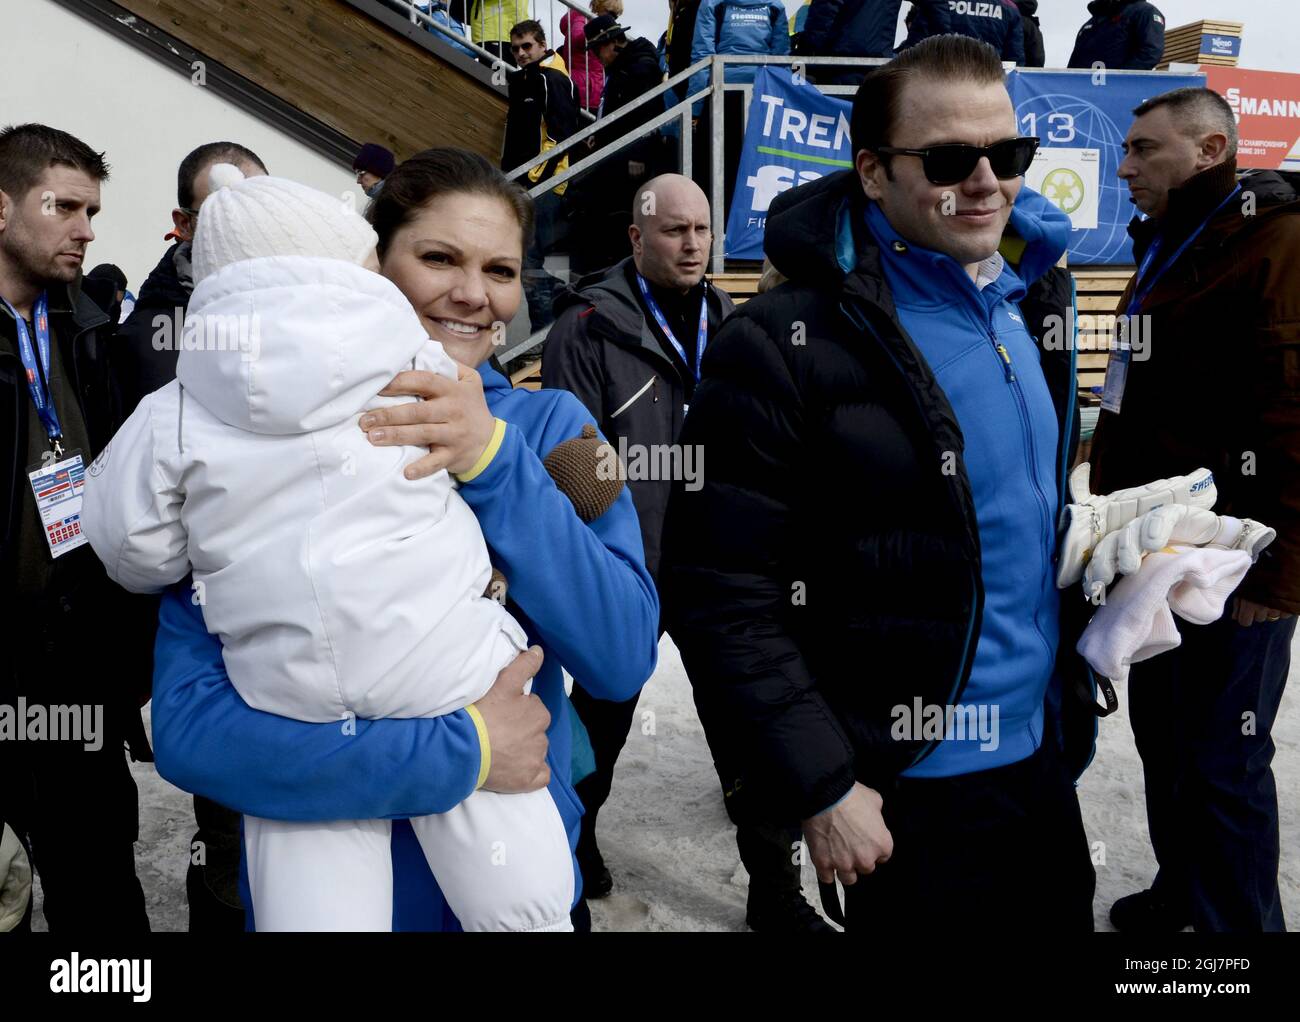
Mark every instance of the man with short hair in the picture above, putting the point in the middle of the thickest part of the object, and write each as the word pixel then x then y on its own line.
pixel 78 650
pixel 1120 35
pixel 145 351
pixel 1218 296
pixel 863 589
pixel 144 359
pixel 543 113
pixel 628 342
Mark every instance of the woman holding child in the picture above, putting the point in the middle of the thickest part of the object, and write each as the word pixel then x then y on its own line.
pixel 451 235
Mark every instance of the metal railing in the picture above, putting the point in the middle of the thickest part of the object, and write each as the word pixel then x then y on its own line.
pixel 682 111
pixel 484 56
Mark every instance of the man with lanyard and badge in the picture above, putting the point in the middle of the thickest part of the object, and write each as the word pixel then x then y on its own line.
pixel 78 663
pixel 1208 374
pixel 628 341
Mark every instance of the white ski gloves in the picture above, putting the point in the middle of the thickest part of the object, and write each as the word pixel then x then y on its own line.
pixel 1108 535
pixel 1121 552
pixel 1092 517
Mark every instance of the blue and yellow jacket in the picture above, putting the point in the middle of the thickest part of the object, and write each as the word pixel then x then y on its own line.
pixel 581 592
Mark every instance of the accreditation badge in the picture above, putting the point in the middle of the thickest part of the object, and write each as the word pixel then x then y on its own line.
pixel 57 486
pixel 1112 392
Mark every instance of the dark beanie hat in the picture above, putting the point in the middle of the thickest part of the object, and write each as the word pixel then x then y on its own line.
pixel 602 29
pixel 376 159
pixel 107 271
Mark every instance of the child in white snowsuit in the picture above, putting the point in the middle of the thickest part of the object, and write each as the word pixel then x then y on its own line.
pixel 340 589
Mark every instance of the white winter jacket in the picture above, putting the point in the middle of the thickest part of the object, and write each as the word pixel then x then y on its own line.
pixel 338 587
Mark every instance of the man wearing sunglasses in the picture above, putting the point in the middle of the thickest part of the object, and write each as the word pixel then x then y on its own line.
pixel 863 588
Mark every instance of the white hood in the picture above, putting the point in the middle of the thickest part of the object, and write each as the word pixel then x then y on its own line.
pixel 289 344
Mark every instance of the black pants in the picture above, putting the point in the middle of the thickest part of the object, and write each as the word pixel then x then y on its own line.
pixel 74 802
pixel 77 810
pixel 212 881
pixel 607 726
pixel 1202 716
pixel 1001 850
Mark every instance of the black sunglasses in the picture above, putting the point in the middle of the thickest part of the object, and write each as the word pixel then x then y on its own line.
pixel 950 164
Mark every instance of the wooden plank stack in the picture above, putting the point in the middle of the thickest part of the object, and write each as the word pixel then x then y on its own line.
pixel 1192 44
pixel 1099 289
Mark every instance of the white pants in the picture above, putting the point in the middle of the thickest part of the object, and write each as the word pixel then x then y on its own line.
pixel 501 861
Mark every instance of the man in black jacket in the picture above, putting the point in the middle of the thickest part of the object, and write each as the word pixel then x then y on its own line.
pixel 868 569
pixel 636 376
pixel 849 28
pixel 543 113
pixel 678 38
pixel 631 70
pixel 78 650
pixel 996 22
pixel 144 358
pixel 1035 52
pixel 1121 35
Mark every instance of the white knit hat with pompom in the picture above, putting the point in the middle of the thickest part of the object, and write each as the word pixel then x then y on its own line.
pixel 247 218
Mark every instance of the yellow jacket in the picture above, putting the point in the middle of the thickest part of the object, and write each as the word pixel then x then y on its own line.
pixel 491 20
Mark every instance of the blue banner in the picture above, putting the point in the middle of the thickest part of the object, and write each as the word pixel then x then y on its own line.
pixel 1220 45
pixel 1089 114
pixel 794 134
pixel 797 134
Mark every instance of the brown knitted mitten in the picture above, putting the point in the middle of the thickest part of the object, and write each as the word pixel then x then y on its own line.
pixel 586 470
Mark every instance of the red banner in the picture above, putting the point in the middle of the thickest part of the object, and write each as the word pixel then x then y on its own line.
pixel 1267 105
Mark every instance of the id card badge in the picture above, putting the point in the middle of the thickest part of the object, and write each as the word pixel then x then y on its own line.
pixel 57 486
pixel 1112 393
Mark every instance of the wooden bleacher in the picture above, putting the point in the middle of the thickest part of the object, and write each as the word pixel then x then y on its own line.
pixel 342 67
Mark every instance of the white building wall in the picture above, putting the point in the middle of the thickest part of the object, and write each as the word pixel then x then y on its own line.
pixel 62 70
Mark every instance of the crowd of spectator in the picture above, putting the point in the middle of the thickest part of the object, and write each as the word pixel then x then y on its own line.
pixel 595 66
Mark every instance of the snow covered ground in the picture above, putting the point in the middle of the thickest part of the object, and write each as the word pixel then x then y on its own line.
pixel 670 846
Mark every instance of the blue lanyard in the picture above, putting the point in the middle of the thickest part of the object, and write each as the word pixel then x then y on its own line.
pixel 37 381
pixel 1147 279
pixel 703 335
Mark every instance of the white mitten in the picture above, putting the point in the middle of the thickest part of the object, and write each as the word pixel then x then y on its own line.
pixel 1094 516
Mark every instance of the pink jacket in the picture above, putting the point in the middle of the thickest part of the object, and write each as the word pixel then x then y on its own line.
pixel 587 72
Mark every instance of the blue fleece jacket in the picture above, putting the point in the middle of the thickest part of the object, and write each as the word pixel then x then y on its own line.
pixel 988 367
pixel 581 592
pixel 737 27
